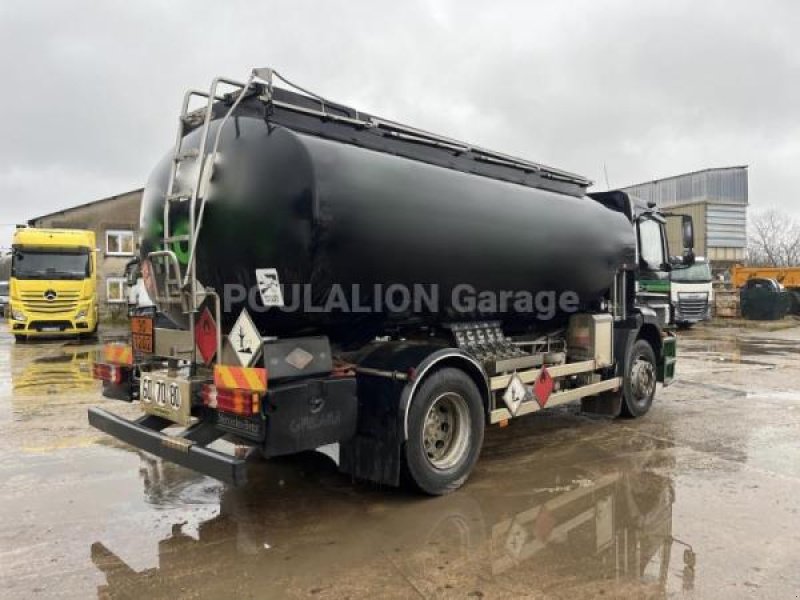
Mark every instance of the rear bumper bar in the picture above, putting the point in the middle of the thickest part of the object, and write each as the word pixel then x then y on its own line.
pixel 187 450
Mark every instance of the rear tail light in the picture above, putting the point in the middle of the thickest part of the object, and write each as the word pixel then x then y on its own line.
pixel 239 402
pixel 250 379
pixel 236 390
pixel 105 372
pixel 118 354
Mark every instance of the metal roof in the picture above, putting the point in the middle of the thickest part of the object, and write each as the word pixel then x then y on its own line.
pixel 84 205
pixel 723 185
pixel 706 170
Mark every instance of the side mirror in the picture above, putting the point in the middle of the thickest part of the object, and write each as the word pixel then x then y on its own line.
pixel 687 230
pixel 132 272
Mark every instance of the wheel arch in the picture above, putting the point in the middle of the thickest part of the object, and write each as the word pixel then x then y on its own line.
pixel 445 358
pixel 645 325
pixel 651 333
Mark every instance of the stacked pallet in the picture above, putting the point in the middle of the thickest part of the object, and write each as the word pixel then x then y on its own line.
pixel 726 302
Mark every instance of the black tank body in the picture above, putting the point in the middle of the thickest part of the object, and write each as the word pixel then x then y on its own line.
pixel 328 214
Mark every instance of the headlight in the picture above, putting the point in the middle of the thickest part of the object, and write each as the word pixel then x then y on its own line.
pixel 81 314
pixel 17 315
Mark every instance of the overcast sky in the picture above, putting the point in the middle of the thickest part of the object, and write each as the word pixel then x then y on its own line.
pixel 91 90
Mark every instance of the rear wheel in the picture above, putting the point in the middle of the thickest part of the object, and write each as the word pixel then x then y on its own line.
pixel 445 432
pixel 20 339
pixel 639 386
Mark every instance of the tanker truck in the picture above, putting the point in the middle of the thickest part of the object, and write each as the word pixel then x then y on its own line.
pixel 323 276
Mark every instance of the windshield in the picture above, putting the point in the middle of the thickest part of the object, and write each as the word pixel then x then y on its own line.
pixel 50 264
pixel 697 273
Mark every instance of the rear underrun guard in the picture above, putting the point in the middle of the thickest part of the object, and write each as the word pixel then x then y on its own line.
pixel 187 450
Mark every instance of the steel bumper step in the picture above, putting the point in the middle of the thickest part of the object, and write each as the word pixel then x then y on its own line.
pixel 179 450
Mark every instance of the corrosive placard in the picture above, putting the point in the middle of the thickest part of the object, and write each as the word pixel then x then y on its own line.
pixel 245 339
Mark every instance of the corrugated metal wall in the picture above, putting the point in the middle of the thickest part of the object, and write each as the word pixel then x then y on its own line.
pixel 727 185
pixel 719 231
pixel 726 225
pixel 726 255
pixel 717 201
pixel 675 234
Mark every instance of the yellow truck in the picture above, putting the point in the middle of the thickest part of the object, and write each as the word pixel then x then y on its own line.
pixel 53 288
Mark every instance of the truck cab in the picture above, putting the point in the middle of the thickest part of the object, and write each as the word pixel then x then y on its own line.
pixel 691 293
pixel 53 289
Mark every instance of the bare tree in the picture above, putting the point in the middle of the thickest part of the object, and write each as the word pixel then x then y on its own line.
pixel 773 240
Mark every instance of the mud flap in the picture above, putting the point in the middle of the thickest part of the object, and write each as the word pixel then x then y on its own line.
pixel 373 454
pixel 668 358
pixel 608 404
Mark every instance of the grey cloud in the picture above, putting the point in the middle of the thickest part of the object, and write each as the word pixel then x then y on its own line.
pixel 650 89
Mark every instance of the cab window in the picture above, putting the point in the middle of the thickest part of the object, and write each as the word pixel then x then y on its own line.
pixel 651 244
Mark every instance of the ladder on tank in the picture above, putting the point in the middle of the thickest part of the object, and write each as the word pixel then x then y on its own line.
pixel 181 288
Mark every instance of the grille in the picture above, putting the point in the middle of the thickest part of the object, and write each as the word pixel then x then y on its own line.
pixel 42 325
pixel 693 308
pixel 35 302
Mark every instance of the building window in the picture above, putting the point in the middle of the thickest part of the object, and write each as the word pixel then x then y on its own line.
pixel 119 243
pixel 116 290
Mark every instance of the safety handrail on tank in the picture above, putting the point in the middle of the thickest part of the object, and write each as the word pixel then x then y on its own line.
pixel 173 262
pixel 208 163
pixel 267 75
pixel 414 134
pixel 176 159
pixel 188 285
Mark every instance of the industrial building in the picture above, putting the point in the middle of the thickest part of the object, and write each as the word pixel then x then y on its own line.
pixel 717 201
pixel 115 221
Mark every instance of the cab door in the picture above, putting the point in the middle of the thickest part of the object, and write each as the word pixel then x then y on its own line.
pixel 651 248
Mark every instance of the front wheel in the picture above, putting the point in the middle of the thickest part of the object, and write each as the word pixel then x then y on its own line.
pixel 639 386
pixel 445 432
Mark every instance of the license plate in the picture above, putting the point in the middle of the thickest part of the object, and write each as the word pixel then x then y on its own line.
pixel 142 334
pixel 48 329
pixel 166 397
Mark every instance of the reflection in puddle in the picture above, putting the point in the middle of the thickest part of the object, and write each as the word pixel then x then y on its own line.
pixel 299 528
pixel 718 355
pixel 65 369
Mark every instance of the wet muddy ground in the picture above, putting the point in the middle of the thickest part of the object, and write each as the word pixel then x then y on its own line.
pixel 701 498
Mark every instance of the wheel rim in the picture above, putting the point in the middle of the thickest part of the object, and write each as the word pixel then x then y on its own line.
pixel 643 380
pixel 446 431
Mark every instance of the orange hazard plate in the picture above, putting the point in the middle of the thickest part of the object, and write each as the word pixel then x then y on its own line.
pixel 142 334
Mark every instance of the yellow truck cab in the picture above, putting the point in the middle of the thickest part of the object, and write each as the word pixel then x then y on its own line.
pixel 53 289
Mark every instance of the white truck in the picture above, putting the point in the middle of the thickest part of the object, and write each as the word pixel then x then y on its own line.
pixel 691 293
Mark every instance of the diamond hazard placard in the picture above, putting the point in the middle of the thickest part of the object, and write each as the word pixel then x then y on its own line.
pixel 543 387
pixel 245 339
pixel 516 393
pixel 205 336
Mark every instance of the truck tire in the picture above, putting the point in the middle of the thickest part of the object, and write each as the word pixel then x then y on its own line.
pixel 639 384
pixel 445 432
